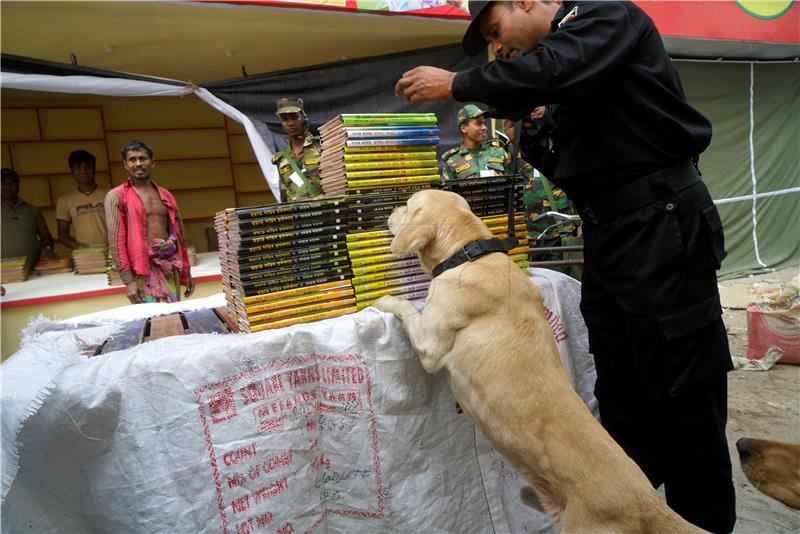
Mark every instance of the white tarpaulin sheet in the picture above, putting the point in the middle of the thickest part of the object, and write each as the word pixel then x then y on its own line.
pixel 325 427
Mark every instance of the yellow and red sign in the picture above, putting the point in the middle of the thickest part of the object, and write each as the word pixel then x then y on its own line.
pixel 776 21
pixel 770 21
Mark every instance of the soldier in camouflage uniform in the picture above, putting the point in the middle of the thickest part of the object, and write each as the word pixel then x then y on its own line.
pixel 477 156
pixel 298 163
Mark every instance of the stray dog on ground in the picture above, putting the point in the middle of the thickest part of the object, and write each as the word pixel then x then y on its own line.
pixel 484 323
pixel 773 467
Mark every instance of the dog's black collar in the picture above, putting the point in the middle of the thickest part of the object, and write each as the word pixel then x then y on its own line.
pixel 474 250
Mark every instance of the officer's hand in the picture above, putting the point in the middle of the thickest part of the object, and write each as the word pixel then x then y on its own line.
pixel 189 288
pixel 508 129
pixel 425 83
pixel 538 113
pixel 527 122
pixel 133 294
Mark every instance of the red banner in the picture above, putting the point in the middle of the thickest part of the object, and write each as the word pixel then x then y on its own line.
pixel 776 21
pixel 765 21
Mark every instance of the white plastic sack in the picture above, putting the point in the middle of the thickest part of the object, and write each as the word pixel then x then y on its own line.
pixel 326 427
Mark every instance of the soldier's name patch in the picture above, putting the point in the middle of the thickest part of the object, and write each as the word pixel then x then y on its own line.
pixel 462 168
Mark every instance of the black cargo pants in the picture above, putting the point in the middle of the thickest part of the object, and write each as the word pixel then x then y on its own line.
pixel 651 304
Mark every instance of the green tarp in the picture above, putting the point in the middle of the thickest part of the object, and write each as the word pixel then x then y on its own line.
pixel 753 164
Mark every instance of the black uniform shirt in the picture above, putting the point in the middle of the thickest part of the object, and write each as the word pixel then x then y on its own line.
pixel 622 110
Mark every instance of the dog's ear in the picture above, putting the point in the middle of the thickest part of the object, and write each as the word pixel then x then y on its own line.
pixel 413 234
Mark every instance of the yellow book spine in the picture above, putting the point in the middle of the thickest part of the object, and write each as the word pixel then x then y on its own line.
pixel 303 319
pixel 298 301
pixel 300 310
pixel 338 284
pixel 368 243
pixel 360 253
pixel 362 236
pixel 378 182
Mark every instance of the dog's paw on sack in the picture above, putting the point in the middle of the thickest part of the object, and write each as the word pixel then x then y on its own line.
pixel 387 303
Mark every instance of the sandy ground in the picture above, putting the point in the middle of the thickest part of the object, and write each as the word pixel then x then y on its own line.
pixel 764 404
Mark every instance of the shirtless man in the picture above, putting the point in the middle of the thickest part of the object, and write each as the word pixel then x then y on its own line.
pixel 145 232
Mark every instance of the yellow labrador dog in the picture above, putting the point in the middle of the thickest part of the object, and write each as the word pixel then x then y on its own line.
pixel 773 467
pixel 484 323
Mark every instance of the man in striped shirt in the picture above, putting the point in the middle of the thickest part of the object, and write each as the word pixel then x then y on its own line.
pixel 145 232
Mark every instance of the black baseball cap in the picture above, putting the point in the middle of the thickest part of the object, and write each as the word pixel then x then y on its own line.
pixel 473 42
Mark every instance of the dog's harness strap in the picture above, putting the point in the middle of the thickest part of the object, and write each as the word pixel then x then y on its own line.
pixel 474 250
pixel 511 239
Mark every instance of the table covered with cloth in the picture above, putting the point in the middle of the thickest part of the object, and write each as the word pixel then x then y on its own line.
pixel 331 426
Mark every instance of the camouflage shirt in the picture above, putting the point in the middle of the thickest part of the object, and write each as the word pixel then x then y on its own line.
pixel 539 196
pixel 293 186
pixel 491 158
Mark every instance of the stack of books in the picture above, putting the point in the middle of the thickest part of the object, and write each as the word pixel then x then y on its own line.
pixel 378 272
pixel 362 153
pixel 90 259
pixel 13 269
pixel 371 211
pixel 378 161
pixel 54 266
pixel 284 264
pixel 488 196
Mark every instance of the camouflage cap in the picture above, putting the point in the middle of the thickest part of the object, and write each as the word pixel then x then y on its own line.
pixel 289 105
pixel 470 111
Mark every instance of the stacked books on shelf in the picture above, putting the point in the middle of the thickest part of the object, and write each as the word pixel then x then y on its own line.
pixel 362 153
pixel 90 259
pixel 488 198
pixel 54 266
pixel 13 270
pixel 284 264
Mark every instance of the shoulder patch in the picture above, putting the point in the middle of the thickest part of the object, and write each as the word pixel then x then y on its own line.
pixel 569 16
pixel 449 153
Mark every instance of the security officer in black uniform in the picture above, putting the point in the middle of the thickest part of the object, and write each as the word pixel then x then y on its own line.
pixel 625 147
